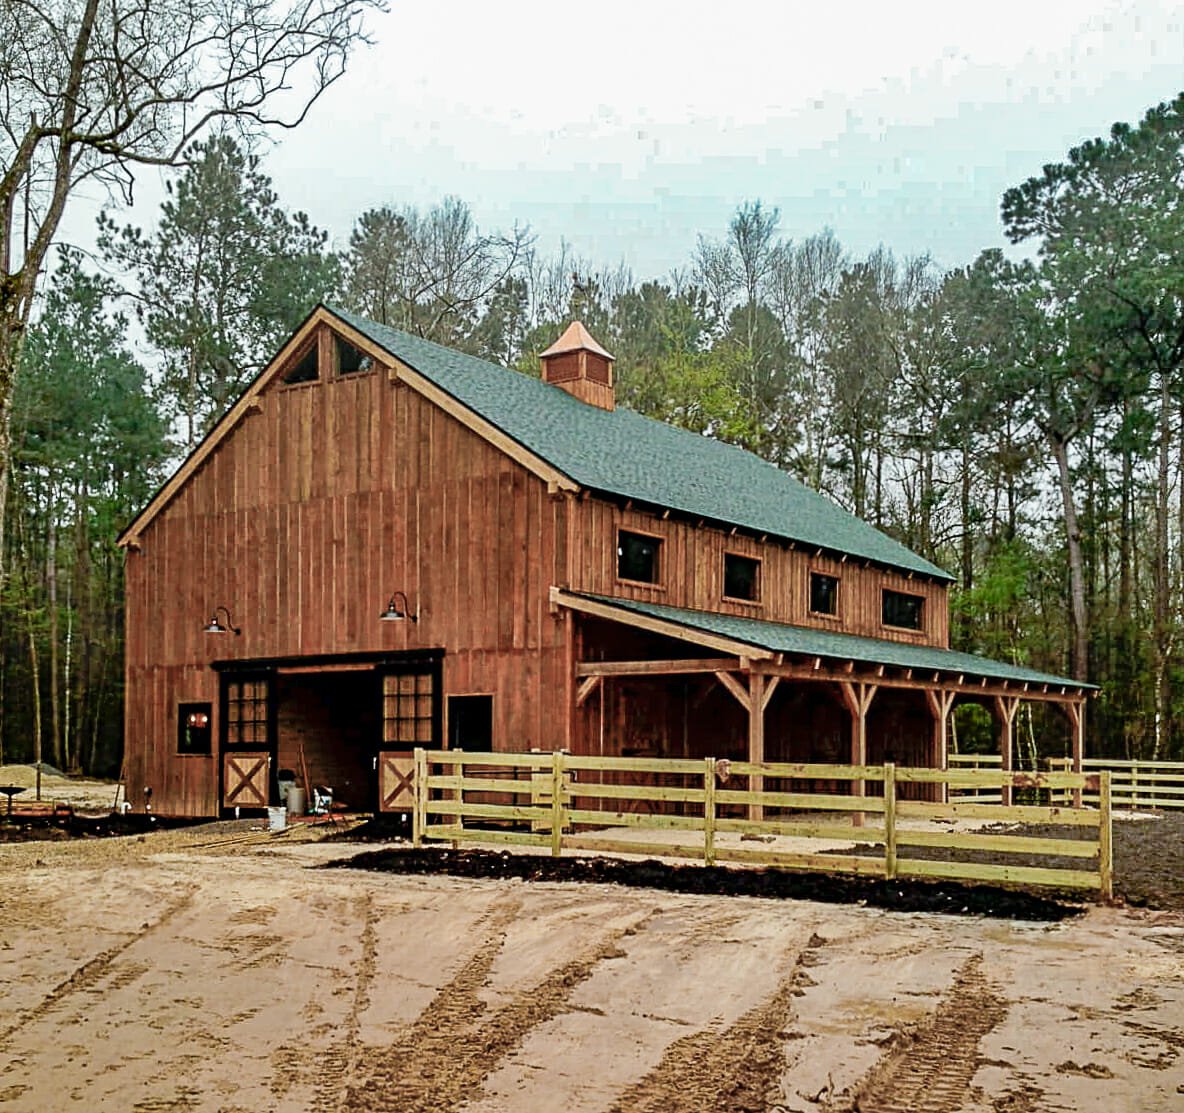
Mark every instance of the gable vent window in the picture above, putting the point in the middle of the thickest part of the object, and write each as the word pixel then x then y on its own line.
pixel 901 609
pixel 349 360
pixel 742 577
pixel 306 369
pixel 824 594
pixel 637 557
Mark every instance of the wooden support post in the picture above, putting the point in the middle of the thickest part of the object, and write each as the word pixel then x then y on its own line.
pixel 889 820
pixel 756 739
pixel 1076 713
pixel 458 794
pixel 556 803
pixel 858 698
pixel 1006 708
pixel 1105 838
pixel 709 811
pixel 419 789
pixel 941 703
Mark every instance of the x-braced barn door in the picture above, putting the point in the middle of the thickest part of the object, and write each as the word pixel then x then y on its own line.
pixel 248 740
pixel 411 717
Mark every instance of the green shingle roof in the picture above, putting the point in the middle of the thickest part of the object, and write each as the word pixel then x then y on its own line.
pixel 622 453
pixel 782 638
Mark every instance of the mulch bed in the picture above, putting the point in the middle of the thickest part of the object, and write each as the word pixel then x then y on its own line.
pixel 51 828
pixel 898 896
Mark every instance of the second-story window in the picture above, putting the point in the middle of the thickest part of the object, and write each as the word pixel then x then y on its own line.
pixel 901 609
pixel 742 577
pixel 824 594
pixel 637 557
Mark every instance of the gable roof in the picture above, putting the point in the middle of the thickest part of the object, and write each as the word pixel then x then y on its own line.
pixel 743 634
pixel 619 452
pixel 572 444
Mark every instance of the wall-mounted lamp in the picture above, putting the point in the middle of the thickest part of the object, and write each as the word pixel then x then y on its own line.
pixel 396 613
pixel 216 627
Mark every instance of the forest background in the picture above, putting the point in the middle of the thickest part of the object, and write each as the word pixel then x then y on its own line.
pixel 1019 420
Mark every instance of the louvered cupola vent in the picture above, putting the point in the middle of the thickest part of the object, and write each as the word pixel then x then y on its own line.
pixel 577 364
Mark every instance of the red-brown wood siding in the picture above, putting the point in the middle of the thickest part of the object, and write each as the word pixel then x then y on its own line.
pixel 302 522
pixel 691 568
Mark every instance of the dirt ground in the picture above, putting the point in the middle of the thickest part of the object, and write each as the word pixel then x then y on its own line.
pixel 210 968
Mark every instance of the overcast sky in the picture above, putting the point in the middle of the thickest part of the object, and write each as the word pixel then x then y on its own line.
pixel 632 126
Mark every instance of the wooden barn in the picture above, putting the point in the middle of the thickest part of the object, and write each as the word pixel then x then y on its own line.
pixel 387 544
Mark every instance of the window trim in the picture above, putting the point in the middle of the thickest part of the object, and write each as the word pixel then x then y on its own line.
pixel 757 599
pixel 337 375
pixel 920 627
pixel 829 616
pixel 659 560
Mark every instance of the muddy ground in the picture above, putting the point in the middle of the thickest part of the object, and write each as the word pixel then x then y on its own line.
pixel 211 968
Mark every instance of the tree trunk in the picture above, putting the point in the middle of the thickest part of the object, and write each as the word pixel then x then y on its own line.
pixel 1079 641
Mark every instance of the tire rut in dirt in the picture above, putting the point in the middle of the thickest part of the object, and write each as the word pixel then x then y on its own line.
pixel 456 1042
pixel 91 972
pixel 930 1065
pixel 731 1071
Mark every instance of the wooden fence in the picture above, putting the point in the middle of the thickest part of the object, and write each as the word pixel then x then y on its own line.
pixel 702 808
pixel 979 795
pixel 1135 784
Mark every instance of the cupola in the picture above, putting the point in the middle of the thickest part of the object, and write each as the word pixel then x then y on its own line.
pixel 577 364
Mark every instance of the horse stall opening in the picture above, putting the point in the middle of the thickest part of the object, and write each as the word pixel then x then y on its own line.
pixel 333 715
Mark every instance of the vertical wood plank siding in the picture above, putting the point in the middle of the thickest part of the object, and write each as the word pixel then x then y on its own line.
pixel 302 522
pixel 691 575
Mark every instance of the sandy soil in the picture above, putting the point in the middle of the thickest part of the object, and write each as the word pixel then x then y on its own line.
pixel 81 794
pixel 210 969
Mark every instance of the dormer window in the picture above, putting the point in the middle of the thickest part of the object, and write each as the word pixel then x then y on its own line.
pixel 637 557
pixel 901 609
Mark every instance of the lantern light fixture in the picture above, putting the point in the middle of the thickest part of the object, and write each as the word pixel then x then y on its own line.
pixel 216 627
pixel 398 609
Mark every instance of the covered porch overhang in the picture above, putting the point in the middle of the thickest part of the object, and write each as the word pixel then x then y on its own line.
pixel 750 658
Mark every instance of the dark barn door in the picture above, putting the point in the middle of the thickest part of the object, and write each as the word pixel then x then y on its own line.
pixel 411 717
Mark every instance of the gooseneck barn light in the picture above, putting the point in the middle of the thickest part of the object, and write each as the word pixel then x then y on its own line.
pixel 216 627
pixel 396 613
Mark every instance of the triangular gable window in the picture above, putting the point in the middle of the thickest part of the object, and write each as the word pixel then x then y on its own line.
pixel 349 360
pixel 306 369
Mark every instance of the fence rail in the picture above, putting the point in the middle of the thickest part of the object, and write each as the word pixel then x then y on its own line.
pixel 562 801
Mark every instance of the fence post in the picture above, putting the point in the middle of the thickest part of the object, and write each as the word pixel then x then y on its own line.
pixel 1105 838
pixel 419 790
pixel 556 803
pixel 889 820
pixel 709 812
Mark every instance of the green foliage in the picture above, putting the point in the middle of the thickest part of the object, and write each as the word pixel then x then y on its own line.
pixel 223 279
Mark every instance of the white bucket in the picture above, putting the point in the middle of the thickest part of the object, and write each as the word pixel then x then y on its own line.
pixel 277 819
pixel 295 800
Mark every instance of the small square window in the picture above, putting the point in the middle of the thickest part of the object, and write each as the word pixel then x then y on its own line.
pixel 901 609
pixel 742 577
pixel 637 557
pixel 824 594
pixel 193 728
pixel 470 722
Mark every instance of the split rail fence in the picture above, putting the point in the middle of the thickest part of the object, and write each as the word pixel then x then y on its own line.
pixel 1134 785
pixel 558 801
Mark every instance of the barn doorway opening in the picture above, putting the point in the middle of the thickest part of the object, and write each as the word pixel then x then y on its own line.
pixel 328 728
